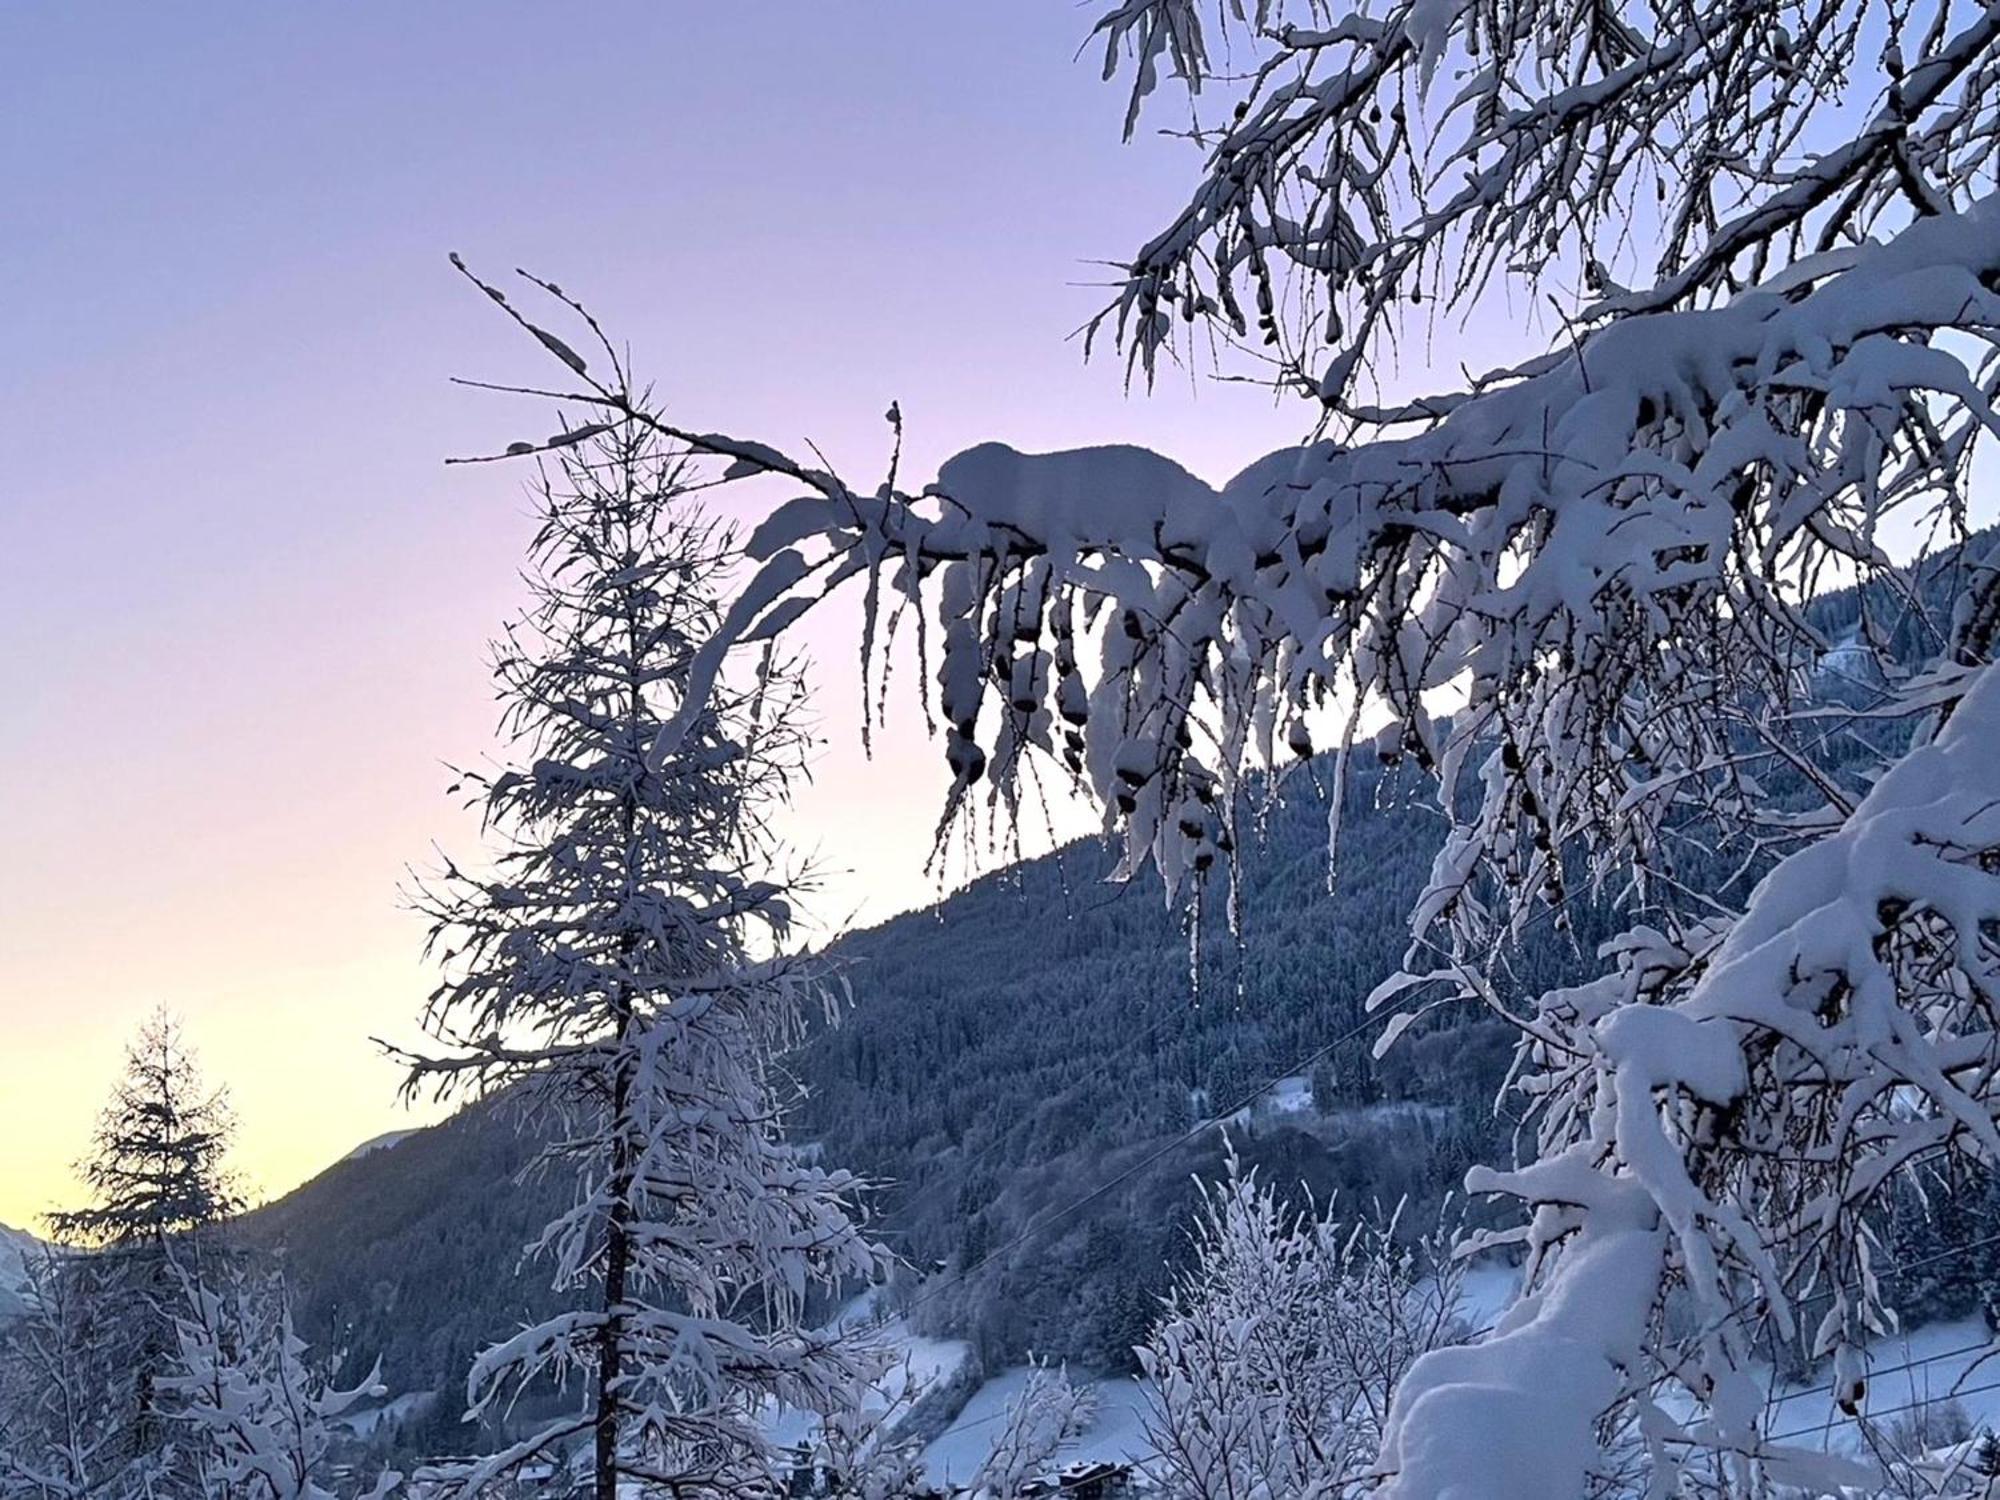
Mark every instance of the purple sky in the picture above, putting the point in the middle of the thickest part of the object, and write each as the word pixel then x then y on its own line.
pixel 244 602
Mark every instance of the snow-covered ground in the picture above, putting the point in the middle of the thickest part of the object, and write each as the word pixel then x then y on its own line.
pixel 1957 1360
pixel 1934 1363
pixel 1117 1433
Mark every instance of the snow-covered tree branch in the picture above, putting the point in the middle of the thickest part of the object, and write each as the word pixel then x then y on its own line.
pixel 1621 157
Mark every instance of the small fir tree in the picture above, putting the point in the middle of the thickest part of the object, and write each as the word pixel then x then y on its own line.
pixel 622 967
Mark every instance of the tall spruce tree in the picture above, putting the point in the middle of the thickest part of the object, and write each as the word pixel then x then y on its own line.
pixel 159 1188
pixel 621 965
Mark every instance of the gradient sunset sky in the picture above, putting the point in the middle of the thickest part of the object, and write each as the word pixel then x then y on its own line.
pixel 243 604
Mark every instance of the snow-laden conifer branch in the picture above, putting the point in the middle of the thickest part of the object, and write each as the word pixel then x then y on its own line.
pixel 1602 568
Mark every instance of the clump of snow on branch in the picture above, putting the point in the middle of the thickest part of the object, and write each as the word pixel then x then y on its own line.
pixel 1602 565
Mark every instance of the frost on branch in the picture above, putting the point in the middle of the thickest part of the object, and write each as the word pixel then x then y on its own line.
pixel 62 1430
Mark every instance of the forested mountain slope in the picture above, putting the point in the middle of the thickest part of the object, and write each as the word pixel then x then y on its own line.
pixel 1039 1033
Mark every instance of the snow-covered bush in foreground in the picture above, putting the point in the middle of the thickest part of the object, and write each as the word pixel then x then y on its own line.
pixel 1277 1353
pixel 249 1405
pixel 61 1437
pixel 1575 594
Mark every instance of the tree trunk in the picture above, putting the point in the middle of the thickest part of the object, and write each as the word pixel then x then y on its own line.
pixel 617 1256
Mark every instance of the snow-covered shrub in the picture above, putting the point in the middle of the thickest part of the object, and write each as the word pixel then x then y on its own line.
pixel 61 1428
pixel 862 1450
pixel 254 1413
pixel 1274 1361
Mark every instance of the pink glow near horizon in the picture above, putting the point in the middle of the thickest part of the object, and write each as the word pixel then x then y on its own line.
pixel 245 603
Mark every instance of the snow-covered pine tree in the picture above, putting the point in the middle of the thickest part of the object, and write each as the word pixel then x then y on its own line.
pixel 159 1188
pixel 1575 592
pixel 622 969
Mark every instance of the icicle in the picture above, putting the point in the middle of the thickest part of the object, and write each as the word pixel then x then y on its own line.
pixel 1194 943
pixel 1335 803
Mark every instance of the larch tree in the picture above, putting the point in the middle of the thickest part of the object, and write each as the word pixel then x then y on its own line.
pixel 1575 592
pixel 160 1188
pixel 622 965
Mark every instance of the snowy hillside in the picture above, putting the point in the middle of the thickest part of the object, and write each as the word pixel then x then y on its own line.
pixel 15 1246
